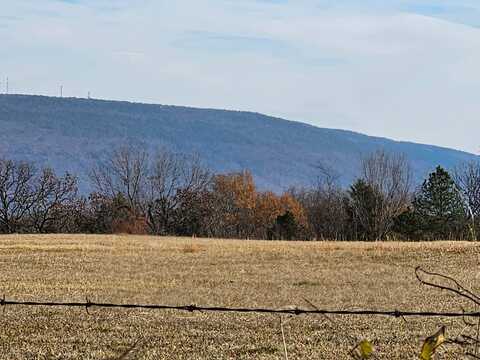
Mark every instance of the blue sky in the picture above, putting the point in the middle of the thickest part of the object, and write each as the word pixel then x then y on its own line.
pixel 408 70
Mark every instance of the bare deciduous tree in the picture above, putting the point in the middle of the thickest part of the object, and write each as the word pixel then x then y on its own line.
pixel 390 176
pixel 467 180
pixel 54 196
pixel 328 178
pixel 324 204
pixel 174 182
pixel 17 194
pixel 124 173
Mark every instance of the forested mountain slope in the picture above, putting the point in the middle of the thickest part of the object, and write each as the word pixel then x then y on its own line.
pixel 70 134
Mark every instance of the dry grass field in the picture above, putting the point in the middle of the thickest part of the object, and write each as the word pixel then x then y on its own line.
pixel 221 272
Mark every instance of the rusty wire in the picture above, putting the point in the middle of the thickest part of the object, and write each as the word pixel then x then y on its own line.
pixel 196 308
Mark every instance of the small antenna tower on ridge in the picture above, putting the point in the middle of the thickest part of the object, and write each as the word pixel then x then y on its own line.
pixel 6 86
pixel 61 90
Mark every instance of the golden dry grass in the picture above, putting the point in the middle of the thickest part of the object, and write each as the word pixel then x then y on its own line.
pixel 221 272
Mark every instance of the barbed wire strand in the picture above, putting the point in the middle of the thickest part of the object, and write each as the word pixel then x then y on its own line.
pixel 195 308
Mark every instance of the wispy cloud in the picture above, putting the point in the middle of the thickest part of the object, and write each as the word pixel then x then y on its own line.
pixel 228 43
pixel 222 44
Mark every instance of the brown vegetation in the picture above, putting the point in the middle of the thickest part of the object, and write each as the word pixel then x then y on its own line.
pixel 218 272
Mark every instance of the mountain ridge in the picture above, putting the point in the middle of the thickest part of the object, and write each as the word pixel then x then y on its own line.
pixel 70 134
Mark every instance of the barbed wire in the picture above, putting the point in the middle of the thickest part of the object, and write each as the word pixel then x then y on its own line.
pixel 196 308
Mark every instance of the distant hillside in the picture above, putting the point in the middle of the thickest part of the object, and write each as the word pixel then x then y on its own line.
pixel 70 134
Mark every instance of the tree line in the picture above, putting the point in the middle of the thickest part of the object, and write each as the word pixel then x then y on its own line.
pixel 166 193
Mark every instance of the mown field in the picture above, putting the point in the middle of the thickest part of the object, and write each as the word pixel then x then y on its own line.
pixel 176 271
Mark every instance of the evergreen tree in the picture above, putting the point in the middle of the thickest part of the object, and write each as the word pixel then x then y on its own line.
pixel 363 205
pixel 286 226
pixel 406 226
pixel 438 207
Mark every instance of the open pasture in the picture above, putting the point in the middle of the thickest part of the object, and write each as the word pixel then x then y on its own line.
pixel 177 271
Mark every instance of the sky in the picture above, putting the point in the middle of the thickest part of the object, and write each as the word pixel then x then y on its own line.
pixel 403 69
